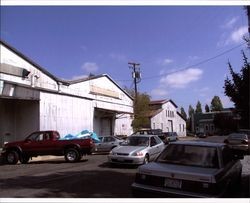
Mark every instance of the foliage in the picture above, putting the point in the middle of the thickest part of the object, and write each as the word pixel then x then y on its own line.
pixel 190 111
pixel 216 104
pixel 207 108
pixel 198 107
pixel 183 113
pixel 237 89
pixel 141 112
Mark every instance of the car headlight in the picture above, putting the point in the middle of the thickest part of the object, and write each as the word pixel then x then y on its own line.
pixel 137 154
pixel 3 150
pixel 112 153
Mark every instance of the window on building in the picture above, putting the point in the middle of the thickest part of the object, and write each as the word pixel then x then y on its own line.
pixel 212 128
pixel 162 126
pixel 153 125
pixel 206 127
pixel 180 127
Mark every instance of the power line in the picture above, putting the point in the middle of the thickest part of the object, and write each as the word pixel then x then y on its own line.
pixel 199 63
pixel 190 66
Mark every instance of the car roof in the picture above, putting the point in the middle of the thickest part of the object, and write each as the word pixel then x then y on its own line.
pixel 199 143
pixel 143 135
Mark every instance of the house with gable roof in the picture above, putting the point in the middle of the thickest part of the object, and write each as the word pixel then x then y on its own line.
pixel 164 115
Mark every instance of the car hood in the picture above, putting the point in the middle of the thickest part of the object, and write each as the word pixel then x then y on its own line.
pixel 179 172
pixel 15 143
pixel 128 149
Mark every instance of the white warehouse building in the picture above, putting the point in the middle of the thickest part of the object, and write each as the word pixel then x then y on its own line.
pixel 33 99
pixel 164 115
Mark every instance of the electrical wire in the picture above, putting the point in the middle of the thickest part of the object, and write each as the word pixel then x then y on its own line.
pixel 190 66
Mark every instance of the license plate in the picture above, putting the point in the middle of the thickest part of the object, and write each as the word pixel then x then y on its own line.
pixel 172 183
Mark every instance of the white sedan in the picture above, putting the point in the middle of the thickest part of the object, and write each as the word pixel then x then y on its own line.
pixel 137 149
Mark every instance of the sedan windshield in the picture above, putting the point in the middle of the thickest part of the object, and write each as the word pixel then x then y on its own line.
pixel 189 155
pixel 136 141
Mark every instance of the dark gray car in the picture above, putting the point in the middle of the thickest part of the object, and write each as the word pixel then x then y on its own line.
pixel 189 169
pixel 239 142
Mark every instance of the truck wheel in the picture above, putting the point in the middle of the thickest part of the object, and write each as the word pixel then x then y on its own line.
pixel 12 157
pixel 24 159
pixel 72 155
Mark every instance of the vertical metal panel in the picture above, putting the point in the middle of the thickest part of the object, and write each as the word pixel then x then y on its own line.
pixel 65 113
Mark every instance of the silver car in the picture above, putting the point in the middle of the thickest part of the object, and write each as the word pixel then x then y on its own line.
pixel 107 143
pixel 240 142
pixel 189 169
pixel 137 149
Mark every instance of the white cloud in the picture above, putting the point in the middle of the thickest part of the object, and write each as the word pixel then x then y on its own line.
pixel 159 92
pixel 117 56
pixel 167 61
pixel 230 23
pixel 183 78
pixel 235 36
pixel 90 67
pixel 79 77
pixel 238 34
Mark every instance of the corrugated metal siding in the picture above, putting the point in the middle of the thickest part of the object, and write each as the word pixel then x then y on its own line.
pixel 65 113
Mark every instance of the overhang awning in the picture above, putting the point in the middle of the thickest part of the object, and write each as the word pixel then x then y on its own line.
pixel 13 91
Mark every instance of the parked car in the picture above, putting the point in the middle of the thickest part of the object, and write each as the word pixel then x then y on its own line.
pixel 189 169
pixel 137 149
pixel 240 142
pixel 107 143
pixel 167 137
pixel 201 135
pixel 46 143
pixel 147 131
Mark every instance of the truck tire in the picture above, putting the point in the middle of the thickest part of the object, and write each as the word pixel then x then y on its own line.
pixel 12 157
pixel 24 159
pixel 72 155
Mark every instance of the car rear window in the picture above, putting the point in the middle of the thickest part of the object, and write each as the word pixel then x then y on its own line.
pixel 237 136
pixel 136 141
pixel 190 155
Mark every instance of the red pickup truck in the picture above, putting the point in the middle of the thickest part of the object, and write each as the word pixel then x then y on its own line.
pixel 46 143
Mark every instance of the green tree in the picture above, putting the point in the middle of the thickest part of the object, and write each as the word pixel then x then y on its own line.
pixel 189 120
pixel 198 107
pixel 207 108
pixel 183 113
pixel 237 89
pixel 141 112
pixel 216 104
pixel 190 111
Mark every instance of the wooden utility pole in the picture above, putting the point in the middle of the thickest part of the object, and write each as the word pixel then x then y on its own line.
pixel 136 75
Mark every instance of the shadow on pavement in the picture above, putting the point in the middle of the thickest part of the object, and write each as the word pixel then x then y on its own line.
pixel 86 184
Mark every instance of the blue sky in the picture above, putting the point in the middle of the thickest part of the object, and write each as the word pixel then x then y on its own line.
pixel 72 41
